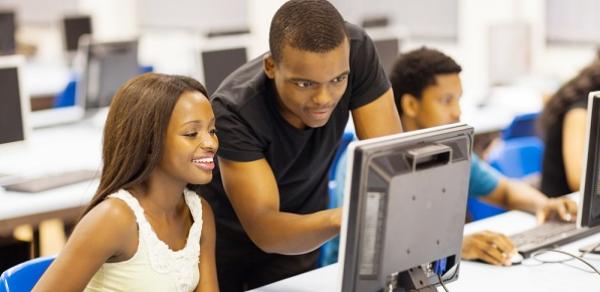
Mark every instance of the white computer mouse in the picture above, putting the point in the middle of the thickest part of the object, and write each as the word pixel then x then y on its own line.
pixel 516 259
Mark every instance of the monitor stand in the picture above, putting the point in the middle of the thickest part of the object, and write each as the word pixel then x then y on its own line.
pixel 413 280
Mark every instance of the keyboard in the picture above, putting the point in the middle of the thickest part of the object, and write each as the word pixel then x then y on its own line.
pixel 549 235
pixel 51 181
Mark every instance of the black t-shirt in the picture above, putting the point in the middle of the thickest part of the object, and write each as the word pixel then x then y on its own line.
pixel 250 127
pixel 554 177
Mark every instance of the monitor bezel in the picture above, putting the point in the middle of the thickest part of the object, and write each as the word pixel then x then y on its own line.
pixel 588 173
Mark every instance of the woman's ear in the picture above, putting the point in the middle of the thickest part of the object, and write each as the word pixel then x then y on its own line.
pixel 410 105
pixel 269 65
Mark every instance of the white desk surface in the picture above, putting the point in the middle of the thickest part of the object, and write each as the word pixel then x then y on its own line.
pixel 475 276
pixel 51 150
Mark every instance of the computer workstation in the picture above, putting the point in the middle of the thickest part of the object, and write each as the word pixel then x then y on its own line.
pixel 554 234
pixel 381 249
pixel 534 273
pixel 15 131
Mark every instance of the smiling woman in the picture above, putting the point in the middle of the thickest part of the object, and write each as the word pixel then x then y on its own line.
pixel 144 229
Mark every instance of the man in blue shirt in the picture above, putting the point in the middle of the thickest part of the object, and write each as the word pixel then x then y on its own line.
pixel 427 89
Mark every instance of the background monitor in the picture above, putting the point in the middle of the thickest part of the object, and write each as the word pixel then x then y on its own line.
pixel 14 101
pixel 106 66
pixel 7 32
pixel 589 213
pixel 389 188
pixel 387 50
pixel 218 64
pixel 73 28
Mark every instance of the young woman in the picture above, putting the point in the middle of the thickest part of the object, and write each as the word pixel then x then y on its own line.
pixel 563 124
pixel 144 229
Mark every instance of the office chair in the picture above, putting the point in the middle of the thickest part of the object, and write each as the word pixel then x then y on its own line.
pixel 521 126
pixel 518 157
pixel 24 276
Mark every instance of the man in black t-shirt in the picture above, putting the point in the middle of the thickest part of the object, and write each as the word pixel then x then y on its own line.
pixel 280 120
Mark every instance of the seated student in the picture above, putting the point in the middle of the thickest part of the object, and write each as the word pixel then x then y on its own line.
pixel 144 230
pixel 562 124
pixel 427 89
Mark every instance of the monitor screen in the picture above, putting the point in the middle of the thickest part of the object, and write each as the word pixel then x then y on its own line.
pixel 218 64
pixel 389 187
pixel 108 65
pixel 387 50
pixel 12 128
pixel 7 32
pixel 74 27
pixel 589 214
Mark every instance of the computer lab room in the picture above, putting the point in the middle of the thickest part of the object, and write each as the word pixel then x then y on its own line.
pixel 299 145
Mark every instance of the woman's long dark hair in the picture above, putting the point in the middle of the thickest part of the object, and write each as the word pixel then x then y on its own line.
pixel 135 129
pixel 575 90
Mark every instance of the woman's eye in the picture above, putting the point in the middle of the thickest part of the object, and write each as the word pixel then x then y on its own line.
pixel 191 134
pixel 213 132
pixel 340 79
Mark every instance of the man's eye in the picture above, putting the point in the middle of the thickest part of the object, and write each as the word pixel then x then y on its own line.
pixel 304 84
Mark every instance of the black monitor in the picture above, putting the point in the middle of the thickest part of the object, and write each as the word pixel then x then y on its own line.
pixel 387 50
pixel 388 190
pixel 218 64
pixel 14 106
pixel 106 66
pixel 589 214
pixel 8 44
pixel 73 28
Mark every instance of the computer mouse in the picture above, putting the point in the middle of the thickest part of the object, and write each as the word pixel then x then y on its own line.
pixel 516 259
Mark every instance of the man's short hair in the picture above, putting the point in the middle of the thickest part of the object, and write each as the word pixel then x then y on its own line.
pixel 416 70
pixel 309 25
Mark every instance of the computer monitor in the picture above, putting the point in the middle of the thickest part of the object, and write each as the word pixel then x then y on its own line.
pixel 106 66
pixel 7 32
pixel 218 64
pixel 387 50
pixel 589 215
pixel 420 176
pixel 14 101
pixel 73 28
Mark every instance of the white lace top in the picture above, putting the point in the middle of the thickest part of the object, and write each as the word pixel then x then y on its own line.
pixel 154 266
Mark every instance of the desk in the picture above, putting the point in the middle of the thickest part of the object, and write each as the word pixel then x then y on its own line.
pixel 474 276
pixel 50 150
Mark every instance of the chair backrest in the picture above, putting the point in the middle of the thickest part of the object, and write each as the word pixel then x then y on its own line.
pixel 24 276
pixel 521 126
pixel 518 157
pixel 346 139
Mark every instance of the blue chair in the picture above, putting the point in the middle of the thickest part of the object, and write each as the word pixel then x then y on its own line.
pixel 67 96
pixel 521 126
pixel 328 251
pixel 518 157
pixel 24 276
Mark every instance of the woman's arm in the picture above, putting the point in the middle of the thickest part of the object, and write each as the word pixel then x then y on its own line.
pixel 573 144
pixel 104 233
pixel 207 265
